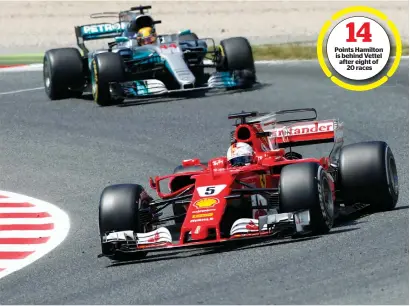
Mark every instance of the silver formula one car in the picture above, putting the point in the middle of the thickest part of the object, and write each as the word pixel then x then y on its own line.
pixel 130 69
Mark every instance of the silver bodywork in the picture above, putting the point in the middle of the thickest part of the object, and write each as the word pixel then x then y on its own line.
pixel 173 57
pixel 167 50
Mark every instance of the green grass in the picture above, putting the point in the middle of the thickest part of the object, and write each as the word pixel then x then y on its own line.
pixel 405 49
pixel 284 51
pixel 261 52
pixel 21 59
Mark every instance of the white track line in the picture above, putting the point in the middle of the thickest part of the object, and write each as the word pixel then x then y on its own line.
pixel 26 234
pixel 12 200
pixel 20 90
pixel 19 247
pixel 34 209
pixel 5 221
pixel 9 264
pixel 25 68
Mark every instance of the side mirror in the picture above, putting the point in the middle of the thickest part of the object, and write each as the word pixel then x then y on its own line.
pixel 191 162
pixel 270 157
pixel 275 153
pixel 152 184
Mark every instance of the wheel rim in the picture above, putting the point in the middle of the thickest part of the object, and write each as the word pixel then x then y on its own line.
pixel 94 80
pixel 328 198
pixel 392 178
pixel 46 74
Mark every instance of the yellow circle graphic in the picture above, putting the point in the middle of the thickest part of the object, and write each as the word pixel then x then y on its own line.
pixel 208 202
pixel 321 39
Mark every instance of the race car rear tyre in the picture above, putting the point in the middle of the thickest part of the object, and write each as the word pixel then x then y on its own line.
pixel 178 183
pixel 368 175
pixel 63 74
pixel 306 186
pixel 106 67
pixel 119 211
pixel 236 56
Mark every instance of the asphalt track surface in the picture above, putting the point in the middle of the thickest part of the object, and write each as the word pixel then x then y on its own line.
pixel 66 152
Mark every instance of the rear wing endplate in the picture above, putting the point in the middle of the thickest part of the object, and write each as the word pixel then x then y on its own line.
pixel 97 31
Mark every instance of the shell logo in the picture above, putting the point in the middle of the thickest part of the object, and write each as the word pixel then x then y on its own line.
pixel 205 203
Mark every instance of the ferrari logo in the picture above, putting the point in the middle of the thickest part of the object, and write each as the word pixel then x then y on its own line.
pixel 263 180
pixel 205 203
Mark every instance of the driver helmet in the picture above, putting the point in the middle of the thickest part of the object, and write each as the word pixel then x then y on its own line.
pixel 146 36
pixel 240 154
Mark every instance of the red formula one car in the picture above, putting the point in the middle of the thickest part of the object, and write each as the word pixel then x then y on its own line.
pixel 278 193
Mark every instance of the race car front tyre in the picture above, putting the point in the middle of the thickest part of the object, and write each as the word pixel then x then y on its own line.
pixel 236 56
pixel 119 211
pixel 368 175
pixel 306 186
pixel 105 68
pixel 63 74
pixel 178 183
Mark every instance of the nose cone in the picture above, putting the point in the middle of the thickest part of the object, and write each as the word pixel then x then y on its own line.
pixel 207 206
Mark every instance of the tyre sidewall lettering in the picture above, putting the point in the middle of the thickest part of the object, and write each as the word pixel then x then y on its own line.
pixel 388 158
pixel 321 180
pixel 95 83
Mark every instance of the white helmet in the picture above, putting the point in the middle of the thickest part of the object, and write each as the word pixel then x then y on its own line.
pixel 240 154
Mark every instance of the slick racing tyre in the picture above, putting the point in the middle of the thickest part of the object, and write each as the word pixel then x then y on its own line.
pixel 119 211
pixel 236 56
pixel 368 175
pixel 63 73
pixel 306 186
pixel 178 183
pixel 105 68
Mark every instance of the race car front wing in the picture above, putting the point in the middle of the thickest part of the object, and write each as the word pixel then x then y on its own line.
pixel 154 87
pixel 161 239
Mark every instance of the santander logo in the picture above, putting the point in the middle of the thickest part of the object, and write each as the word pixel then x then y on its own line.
pixel 302 129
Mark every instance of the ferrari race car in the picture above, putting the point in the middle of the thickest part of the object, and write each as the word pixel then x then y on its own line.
pixel 128 69
pixel 280 194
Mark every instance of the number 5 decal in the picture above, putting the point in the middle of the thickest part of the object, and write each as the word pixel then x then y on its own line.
pixel 210 190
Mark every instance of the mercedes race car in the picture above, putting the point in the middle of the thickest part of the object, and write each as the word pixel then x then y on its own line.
pixel 127 68
pixel 279 194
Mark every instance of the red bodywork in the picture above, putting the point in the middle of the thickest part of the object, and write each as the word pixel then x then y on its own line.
pixel 214 182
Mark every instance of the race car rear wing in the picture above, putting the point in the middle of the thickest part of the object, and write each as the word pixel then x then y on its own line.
pixel 97 31
pixel 298 127
pixel 306 133
pixel 293 127
pixel 309 133
pixel 105 30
